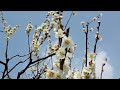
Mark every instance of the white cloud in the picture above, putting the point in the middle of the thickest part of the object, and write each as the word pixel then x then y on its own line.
pixel 108 69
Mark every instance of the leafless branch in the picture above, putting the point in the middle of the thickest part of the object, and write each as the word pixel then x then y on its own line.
pixel 69 19
pixel 15 66
pixel 6 55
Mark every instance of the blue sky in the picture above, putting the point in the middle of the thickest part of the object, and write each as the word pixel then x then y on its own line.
pixel 109 31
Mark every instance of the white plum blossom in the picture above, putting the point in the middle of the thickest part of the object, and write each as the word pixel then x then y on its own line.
pixel 61 53
pixel 95 18
pixel 41 38
pixel 51 74
pixel 29 28
pixel 59 33
pixel 44 25
pixel 91 55
pixel 82 23
pixel 39 29
pixel 84 30
pixel 56 47
pixel 65 70
pixel 67 42
pixel 72 49
pixel 45 31
pixel 91 29
pixel 77 75
pixel 10 30
pixel 66 67
pixel 98 37
pixel 86 73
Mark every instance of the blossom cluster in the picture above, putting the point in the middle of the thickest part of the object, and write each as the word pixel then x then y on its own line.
pixel 66 52
pixel 64 49
pixel 9 30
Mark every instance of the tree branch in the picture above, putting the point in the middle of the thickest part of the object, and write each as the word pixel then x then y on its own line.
pixel 2 62
pixel 69 19
pixel 86 43
pixel 63 60
pixel 43 58
pixel 15 66
pixel 19 56
pixel 6 56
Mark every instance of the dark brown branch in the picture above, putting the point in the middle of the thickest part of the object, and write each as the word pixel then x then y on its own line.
pixel 95 45
pixel 63 60
pixel 20 73
pixel 41 59
pixel 43 41
pixel 60 41
pixel 18 56
pixel 30 63
pixel 15 66
pixel 96 39
pixel 2 62
pixel 1 31
pixel 40 73
pixel 102 69
pixel 30 60
pixel 6 56
pixel 101 72
pixel 6 53
pixel 86 43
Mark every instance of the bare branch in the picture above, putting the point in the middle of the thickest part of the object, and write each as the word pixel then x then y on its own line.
pixel 6 64
pixel 69 19
pixel 15 66
pixel 2 62
pixel 18 56
pixel 86 43
pixel 41 59
pixel 63 60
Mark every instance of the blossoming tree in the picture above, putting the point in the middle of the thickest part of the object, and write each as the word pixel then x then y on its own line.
pixel 62 51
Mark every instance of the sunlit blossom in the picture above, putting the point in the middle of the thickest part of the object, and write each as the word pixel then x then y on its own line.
pixel 61 53
pixel 67 42
pixel 29 27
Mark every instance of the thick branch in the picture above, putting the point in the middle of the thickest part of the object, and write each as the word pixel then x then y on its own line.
pixel 63 60
pixel 30 63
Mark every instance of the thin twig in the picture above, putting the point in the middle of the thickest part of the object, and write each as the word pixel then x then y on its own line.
pixel 41 59
pixel 15 66
pixel 69 19
pixel 1 31
pixel 6 56
pixel 19 56
pixel 101 72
